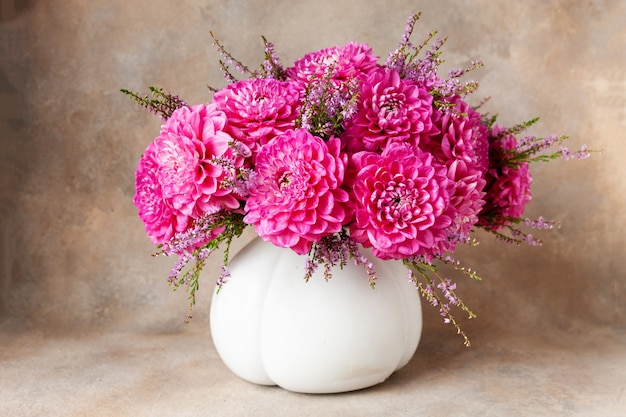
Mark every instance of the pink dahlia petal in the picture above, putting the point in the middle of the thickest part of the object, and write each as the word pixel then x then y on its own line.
pixel 511 190
pixel 298 179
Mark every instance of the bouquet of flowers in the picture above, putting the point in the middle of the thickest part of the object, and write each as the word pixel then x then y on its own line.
pixel 336 153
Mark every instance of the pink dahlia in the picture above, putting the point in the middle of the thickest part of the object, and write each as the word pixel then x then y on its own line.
pixel 298 198
pixel 339 63
pixel 160 220
pixel 390 109
pixel 508 184
pixel 181 175
pixel 466 199
pixel 258 109
pixel 459 135
pixel 402 202
pixel 461 143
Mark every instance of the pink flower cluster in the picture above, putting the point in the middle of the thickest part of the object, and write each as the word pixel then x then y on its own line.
pixel 340 142
pixel 336 153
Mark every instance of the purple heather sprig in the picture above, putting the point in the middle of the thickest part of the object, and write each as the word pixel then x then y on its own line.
pixel 162 105
pixel 518 237
pixel 242 183
pixel 397 59
pixel 447 287
pixel 335 250
pixel 227 61
pixel 211 230
pixel 431 292
pixel 238 179
pixel 454 236
pixel 424 70
pixel 223 277
pixel 201 231
pixel 178 267
pixel 456 264
pixel 541 223
pixel 191 277
pixel 453 85
pixel 327 105
pixel 529 148
pixel 566 154
pixel 271 66
pixel 228 163
pixel 527 238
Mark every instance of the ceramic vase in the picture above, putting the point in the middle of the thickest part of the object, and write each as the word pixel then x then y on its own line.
pixel 271 327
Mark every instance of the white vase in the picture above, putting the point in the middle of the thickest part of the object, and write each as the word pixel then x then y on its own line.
pixel 270 327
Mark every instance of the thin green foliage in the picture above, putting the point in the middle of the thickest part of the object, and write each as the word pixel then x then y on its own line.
pixel 161 104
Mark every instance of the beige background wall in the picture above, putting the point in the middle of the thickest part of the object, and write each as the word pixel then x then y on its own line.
pixel 73 254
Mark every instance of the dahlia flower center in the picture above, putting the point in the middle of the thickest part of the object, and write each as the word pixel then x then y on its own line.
pixel 330 60
pixel 284 180
pixel 259 100
pixel 390 105
pixel 177 164
pixel 396 202
pixel 292 184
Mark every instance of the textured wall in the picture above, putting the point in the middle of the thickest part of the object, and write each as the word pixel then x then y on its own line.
pixel 72 251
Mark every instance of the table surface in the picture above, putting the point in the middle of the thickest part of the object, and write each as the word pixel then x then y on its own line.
pixel 579 372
